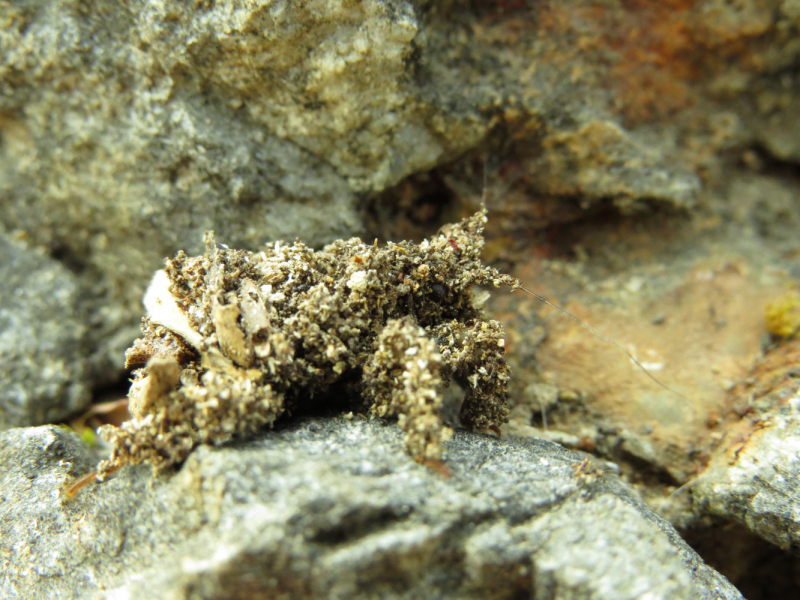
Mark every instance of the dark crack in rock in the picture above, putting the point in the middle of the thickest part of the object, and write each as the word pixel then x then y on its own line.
pixel 332 508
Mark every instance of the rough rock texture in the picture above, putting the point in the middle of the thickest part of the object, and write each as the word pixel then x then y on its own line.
pixel 665 133
pixel 42 349
pixel 759 486
pixel 331 508
pixel 754 476
pixel 127 130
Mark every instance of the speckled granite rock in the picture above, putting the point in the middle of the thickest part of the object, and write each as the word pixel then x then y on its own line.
pixel 754 476
pixel 43 375
pixel 760 486
pixel 330 508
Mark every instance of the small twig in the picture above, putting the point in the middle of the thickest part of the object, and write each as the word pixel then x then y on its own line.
pixel 79 484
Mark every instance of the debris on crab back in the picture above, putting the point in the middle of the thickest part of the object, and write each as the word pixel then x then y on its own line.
pixel 233 339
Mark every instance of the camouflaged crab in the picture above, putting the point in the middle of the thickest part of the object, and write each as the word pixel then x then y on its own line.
pixel 235 339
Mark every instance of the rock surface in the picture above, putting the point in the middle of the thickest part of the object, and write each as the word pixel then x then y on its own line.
pixel 754 476
pixel 42 347
pixel 331 508
pixel 126 131
pixel 129 130
pixel 664 133
pixel 759 486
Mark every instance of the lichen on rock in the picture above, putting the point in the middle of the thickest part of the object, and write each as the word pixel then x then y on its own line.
pixel 783 315
pixel 234 340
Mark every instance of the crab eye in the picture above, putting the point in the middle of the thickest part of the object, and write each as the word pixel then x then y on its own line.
pixel 438 288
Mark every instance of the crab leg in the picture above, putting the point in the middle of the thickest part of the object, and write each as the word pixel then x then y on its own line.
pixel 402 379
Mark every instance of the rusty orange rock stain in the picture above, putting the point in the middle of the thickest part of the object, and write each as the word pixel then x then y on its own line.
pixel 713 326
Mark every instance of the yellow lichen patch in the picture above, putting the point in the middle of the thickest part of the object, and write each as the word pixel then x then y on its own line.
pixel 783 315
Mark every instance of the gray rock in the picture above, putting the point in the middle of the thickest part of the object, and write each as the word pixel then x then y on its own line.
pixel 781 133
pixel 42 350
pixel 127 130
pixel 756 483
pixel 331 508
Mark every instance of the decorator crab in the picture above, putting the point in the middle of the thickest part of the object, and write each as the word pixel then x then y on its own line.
pixel 235 339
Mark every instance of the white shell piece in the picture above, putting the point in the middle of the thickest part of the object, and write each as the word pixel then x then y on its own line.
pixel 163 310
